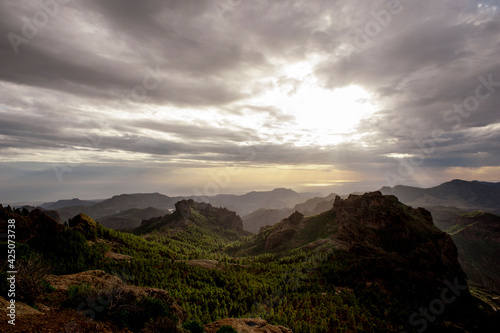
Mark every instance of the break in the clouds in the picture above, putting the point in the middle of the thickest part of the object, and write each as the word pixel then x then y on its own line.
pixel 102 97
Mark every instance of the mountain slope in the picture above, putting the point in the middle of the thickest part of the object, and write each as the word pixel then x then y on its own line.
pixel 263 217
pixel 120 203
pixel 384 245
pixel 370 225
pixel 457 193
pixel 131 218
pixel 68 203
pixel 366 265
pixel 202 217
pixel 244 204
pixel 241 204
pixel 477 237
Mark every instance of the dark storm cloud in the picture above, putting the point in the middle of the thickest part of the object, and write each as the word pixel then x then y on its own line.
pixel 63 58
pixel 422 63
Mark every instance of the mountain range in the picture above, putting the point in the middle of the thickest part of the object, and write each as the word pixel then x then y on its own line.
pixel 474 195
pixel 363 262
pixel 265 216
pixel 113 213
pixel 369 263
pixel 446 202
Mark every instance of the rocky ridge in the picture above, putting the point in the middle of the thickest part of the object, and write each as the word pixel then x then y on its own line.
pixel 202 215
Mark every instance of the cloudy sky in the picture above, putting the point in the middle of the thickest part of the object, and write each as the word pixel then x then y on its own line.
pixel 226 96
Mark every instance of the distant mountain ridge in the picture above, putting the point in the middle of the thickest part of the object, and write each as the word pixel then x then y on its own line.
pixel 264 217
pixel 130 218
pixel 469 195
pixel 120 203
pixel 68 203
pixel 241 204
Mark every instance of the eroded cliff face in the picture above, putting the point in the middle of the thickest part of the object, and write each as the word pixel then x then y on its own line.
pixel 190 211
pixel 379 225
pixel 382 233
pixel 201 215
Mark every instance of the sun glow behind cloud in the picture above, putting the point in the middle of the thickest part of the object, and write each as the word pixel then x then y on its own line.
pixel 286 79
pixel 323 117
pixel 293 109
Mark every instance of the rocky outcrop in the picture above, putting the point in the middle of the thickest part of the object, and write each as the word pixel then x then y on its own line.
pixel 202 215
pixel 391 239
pixel 85 225
pixel 284 231
pixel 96 278
pixel 379 225
pixel 22 309
pixel 247 325
pixel 107 284
pixel 221 216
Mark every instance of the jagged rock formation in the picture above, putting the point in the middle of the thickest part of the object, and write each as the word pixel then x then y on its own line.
pixel 247 325
pixel 242 204
pixel 373 223
pixel 201 215
pixel 390 240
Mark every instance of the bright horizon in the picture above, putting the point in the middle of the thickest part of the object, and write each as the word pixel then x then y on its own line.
pixel 223 96
pixel 341 190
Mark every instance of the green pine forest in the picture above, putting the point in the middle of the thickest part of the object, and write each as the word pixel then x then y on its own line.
pixel 318 290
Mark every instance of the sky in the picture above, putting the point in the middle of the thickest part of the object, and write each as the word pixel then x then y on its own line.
pixel 202 97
